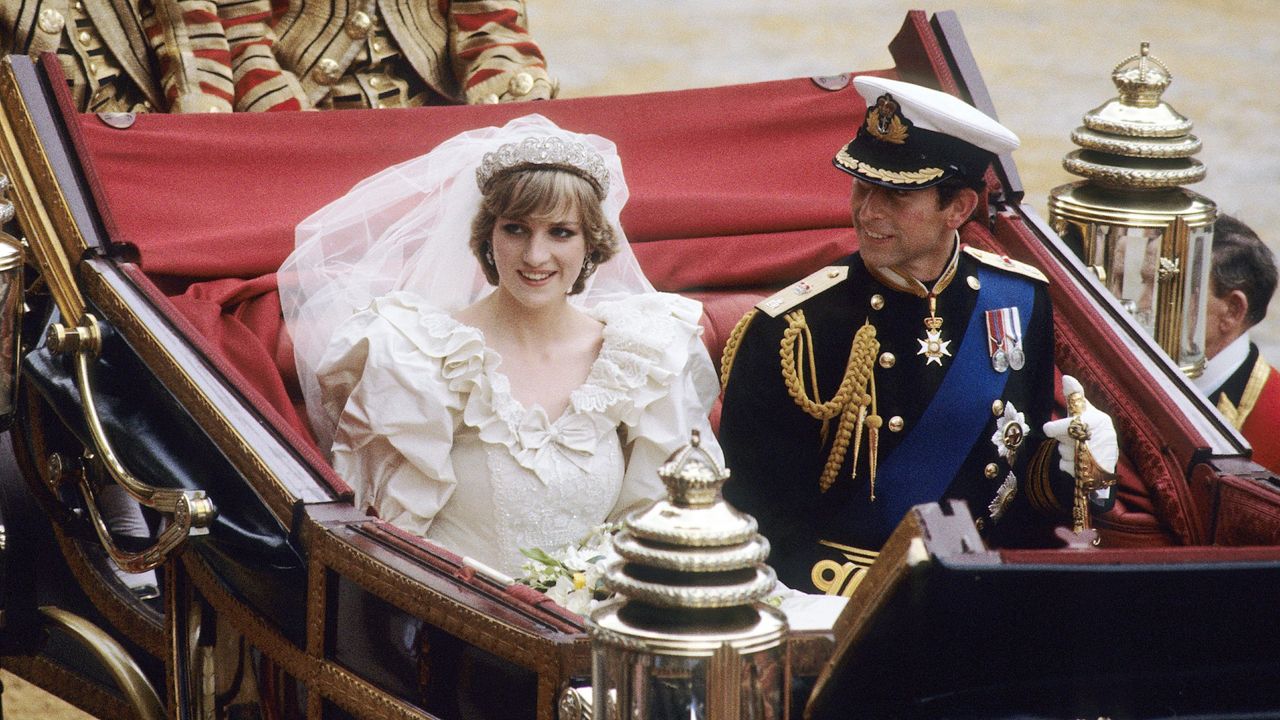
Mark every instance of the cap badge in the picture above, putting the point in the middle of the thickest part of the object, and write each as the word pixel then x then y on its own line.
pixel 884 121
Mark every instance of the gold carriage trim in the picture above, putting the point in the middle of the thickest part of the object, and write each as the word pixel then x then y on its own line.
pixel 917 177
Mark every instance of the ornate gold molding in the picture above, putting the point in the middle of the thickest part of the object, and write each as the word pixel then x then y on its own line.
pixel 42 208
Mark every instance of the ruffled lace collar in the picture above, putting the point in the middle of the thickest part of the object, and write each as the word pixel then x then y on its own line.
pixel 635 365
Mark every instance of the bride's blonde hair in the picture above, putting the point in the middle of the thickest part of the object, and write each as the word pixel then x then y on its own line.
pixel 540 193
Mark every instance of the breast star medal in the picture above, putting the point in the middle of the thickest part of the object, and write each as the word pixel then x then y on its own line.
pixel 932 346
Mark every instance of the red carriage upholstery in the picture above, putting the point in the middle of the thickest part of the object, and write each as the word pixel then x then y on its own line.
pixel 732 195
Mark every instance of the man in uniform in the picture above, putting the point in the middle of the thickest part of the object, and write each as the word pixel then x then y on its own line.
pixel 1237 378
pixel 914 370
pixel 101 45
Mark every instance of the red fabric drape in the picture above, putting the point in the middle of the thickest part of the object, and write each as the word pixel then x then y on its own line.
pixel 722 170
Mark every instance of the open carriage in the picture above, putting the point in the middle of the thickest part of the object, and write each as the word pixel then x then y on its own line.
pixel 152 355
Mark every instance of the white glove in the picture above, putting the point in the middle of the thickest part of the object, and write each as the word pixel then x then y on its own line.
pixel 1102 434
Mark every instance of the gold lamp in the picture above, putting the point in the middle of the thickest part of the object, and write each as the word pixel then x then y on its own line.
pixel 1148 239
pixel 688 636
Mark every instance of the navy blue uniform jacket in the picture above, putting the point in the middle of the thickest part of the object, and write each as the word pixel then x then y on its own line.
pixel 775 451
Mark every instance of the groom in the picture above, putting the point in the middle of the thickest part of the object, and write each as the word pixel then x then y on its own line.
pixel 914 370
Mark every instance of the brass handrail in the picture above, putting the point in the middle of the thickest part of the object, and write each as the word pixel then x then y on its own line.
pixel 191 511
pixel 178 529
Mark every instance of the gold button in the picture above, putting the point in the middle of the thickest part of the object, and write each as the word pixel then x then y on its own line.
pixel 490 99
pixel 85 37
pixel 375 81
pixel 521 83
pixel 895 423
pixel 327 71
pixel 379 46
pixel 51 21
pixel 997 407
pixel 877 301
pixel 980 524
pixel 887 360
pixel 358 25
pixel 833 273
pixel 991 470
pixel 974 282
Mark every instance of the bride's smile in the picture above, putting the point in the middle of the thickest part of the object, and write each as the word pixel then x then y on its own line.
pixel 538 259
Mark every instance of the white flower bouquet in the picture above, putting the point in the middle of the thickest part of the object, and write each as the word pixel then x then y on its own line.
pixel 573 575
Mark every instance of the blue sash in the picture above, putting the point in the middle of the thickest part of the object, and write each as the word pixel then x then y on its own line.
pixel 921 468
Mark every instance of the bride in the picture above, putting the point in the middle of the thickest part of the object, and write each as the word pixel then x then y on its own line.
pixel 479 350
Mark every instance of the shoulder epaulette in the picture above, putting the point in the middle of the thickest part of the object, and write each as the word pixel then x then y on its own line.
pixel 801 290
pixel 1004 262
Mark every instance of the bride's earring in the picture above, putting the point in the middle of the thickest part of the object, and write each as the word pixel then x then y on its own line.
pixel 588 267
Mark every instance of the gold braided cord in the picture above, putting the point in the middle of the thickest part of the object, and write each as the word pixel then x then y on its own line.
pixel 731 345
pixel 793 343
pixel 852 399
pixel 838 448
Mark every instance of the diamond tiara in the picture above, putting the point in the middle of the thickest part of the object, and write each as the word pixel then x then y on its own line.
pixel 568 155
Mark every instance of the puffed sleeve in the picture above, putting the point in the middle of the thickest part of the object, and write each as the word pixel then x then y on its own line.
pixel 385 380
pixel 676 389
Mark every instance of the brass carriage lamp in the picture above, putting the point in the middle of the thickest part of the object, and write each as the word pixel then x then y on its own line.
pixel 11 290
pixel 688 636
pixel 1146 238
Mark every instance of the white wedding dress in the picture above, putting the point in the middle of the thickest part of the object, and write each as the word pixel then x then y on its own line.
pixel 430 437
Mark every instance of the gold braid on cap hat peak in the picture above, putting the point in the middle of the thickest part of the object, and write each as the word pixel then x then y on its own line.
pixel 555 152
pixel 917 177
